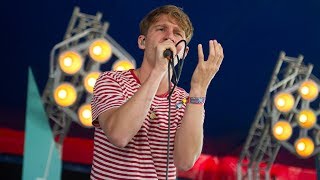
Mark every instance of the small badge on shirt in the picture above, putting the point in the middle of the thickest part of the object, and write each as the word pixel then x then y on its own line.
pixel 180 103
pixel 153 115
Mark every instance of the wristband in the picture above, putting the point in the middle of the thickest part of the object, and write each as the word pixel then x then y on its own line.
pixel 196 100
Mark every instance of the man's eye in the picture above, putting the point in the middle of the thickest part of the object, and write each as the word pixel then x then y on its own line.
pixel 179 34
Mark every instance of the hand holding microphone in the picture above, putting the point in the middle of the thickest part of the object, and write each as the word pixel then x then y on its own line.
pixel 169 49
pixel 164 52
pixel 167 54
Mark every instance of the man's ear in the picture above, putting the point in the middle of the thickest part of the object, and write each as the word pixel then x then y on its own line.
pixel 187 50
pixel 141 42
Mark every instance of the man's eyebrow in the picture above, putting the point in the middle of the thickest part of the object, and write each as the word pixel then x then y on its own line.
pixel 165 25
pixel 178 29
pixel 159 25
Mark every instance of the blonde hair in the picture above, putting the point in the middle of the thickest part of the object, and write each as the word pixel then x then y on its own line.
pixel 172 11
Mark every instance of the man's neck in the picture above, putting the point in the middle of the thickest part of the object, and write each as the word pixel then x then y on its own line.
pixel 144 72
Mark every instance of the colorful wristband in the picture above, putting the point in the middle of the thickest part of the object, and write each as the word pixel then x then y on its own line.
pixel 196 100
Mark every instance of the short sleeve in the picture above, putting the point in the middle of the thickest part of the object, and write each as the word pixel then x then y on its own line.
pixel 107 94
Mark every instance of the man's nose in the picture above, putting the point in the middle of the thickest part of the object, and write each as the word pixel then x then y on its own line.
pixel 169 36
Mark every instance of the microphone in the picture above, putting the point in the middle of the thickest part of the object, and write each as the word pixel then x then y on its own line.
pixel 167 53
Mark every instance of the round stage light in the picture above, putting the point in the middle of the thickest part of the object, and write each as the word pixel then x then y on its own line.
pixel 122 65
pixel 309 90
pixel 90 80
pixel 282 130
pixel 284 102
pixel 65 95
pixel 84 114
pixel 70 62
pixel 306 118
pixel 304 147
pixel 100 50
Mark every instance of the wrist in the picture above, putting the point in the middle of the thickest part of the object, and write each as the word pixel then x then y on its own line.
pixel 158 72
pixel 196 100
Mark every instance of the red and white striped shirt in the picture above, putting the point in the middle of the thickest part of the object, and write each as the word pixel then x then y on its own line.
pixel 145 156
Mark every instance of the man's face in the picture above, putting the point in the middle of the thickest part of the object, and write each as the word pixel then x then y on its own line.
pixel 164 29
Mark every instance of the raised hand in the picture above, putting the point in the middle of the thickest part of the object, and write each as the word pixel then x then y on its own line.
pixel 206 69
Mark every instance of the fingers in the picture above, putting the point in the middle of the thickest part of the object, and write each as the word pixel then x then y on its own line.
pixel 200 53
pixel 212 50
pixel 215 52
pixel 220 55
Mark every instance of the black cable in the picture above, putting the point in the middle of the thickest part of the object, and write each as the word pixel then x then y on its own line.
pixel 170 91
pixel 181 61
pixel 176 77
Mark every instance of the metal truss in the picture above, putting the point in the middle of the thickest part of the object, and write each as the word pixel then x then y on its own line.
pixel 260 149
pixel 82 30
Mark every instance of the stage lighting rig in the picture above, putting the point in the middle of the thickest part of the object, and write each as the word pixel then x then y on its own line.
pixel 75 65
pixel 287 117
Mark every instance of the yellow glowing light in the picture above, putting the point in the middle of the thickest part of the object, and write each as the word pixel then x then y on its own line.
pixel 309 90
pixel 301 146
pixel 100 50
pixel 67 61
pixel 282 130
pixel 84 114
pixel 306 118
pixel 281 102
pixel 284 102
pixel 62 94
pixel 303 118
pixel 122 65
pixel 304 147
pixel 65 95
pixel 279 130
pixel 304 90
pixel 97 50
pixel 70 62
pixel 90 80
